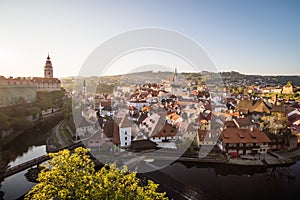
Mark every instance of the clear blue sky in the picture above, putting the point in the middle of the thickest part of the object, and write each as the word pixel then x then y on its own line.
pixel 253 37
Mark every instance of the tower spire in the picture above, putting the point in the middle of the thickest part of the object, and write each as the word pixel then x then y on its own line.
pixel 175 76
pixel 48 70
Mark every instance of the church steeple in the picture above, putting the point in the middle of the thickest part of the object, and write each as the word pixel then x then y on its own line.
pixel 48 69
pixel 175 76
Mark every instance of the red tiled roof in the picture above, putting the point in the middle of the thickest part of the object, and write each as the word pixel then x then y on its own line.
pixel 166 131
pixel 247 106
pixel 242 122
pixel 229 124
pixel 110 127
pixel 235 135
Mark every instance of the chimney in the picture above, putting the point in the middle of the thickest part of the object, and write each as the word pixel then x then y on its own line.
pixel 251 128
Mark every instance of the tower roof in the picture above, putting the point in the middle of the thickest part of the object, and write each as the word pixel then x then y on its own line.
pixel 48 62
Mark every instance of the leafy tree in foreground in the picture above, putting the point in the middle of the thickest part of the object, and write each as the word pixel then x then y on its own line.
pixel 72 176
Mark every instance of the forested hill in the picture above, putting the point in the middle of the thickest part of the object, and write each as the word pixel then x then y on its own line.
pixel 228 78
pixel 278 80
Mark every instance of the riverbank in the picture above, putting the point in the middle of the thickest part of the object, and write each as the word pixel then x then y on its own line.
pixel 36 124
pixel 269 159
pixel 59 138
pixel 130 159
pixel 295 154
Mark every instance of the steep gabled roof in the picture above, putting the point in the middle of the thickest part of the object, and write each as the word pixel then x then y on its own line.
pixel 260 107
pixel 125 123
pixel 279 108
pixel 166 131
pixel 249 106
pixel 242 122
pixel 110 128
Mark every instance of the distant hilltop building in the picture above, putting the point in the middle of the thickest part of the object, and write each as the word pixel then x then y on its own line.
pixel 14 91
pixel 48 83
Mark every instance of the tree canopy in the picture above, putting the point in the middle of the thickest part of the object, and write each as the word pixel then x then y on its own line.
pixel 73 176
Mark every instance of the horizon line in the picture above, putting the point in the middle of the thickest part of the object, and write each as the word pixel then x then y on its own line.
pixel 154 71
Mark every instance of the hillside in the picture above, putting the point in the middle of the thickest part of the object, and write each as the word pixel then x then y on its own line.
pixel 229 78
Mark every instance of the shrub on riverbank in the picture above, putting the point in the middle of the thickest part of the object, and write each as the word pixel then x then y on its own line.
pixel 72 176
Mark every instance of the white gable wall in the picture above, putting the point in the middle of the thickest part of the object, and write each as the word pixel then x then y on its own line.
pixel 125 136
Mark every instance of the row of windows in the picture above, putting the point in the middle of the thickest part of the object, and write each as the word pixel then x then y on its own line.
pixel 18 83
pixel 243 144
pixel 165 138
pixel 91 141
pixel 49 87
pixel 48 84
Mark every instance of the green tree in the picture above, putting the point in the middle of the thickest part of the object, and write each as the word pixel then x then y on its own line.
pixel 72 176
pixel 21 123
pixel 67 108
pixel 35 111
pixel 289 83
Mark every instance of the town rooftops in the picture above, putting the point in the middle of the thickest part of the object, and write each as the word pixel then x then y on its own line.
pixel 229 124
pixel 235 135
pixel 251 106
pixel 278 108
pixel 243 122
pixel 166 131
pixel 208 135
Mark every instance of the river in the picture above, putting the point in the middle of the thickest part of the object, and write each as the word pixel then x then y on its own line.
pixel 29 145
pixel 224 182
pixel 195 181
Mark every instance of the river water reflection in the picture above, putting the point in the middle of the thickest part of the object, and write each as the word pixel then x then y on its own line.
pixel 17 184
pixel 27 146
pixel 219 182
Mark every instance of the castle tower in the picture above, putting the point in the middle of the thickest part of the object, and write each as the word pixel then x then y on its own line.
pixel 48 70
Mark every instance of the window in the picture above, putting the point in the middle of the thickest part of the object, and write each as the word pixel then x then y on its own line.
pixel 125 143
pixel 125 132
pixel 125 138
